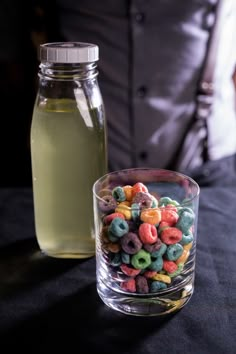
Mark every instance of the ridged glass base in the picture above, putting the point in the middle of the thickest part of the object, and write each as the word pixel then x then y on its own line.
pixel 165 302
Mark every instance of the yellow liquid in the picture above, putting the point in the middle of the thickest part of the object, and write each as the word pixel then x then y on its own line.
pixel 68 155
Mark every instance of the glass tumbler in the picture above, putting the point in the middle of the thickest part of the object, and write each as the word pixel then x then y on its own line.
pixel 146 230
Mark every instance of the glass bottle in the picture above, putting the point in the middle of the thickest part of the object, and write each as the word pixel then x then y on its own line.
pixel 68 148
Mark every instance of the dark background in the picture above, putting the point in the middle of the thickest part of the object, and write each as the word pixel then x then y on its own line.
pixel 18 85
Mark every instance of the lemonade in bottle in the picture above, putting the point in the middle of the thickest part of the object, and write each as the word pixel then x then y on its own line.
pixel 68 148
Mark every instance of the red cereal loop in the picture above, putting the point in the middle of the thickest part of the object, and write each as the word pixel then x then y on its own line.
pixel 149 273
pixel 147 233
pixel 170 216
pixel 172 207
pixel 131 272
pixel 163 225
pixel 108 218
pixel 129 285
pixel 171 235
pixel 169 266
pixel 139 187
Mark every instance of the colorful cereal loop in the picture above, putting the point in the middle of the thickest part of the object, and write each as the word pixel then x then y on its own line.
pixel 147 233
pixel 151 216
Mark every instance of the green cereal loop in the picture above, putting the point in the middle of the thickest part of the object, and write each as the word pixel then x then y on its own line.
pixel 164 201
pixel 186 238
pixel 178 271
pixel 154 202
pixel 135 211
pixel 174 202
pixel 141 260
pixel 119 194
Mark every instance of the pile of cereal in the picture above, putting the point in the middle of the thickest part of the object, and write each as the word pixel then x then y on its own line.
pixel 145 239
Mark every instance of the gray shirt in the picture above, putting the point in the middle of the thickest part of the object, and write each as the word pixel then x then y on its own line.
pixel 151 57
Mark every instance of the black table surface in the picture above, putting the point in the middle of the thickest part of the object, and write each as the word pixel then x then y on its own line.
pixel 49 303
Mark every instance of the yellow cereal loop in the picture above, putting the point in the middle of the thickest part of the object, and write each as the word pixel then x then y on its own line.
pixel 151 216
pixel 161 277
pixel 124 209
pixel 128 192
pixel 183 258
pixel 188 246
pixel 126 202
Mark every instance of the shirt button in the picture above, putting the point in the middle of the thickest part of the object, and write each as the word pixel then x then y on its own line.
pixel 143 155
pixel 142 91
pixel 206 172
pixel 139 17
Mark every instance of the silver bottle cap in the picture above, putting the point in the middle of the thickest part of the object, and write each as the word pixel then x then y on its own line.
pixel 68 52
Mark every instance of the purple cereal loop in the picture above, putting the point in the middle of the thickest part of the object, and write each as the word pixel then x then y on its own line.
pixel 131 243
pixel 153 247
pixel 143 199
pixel 141 284
pixel 107 204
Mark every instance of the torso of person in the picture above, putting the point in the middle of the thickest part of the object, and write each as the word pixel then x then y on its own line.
pixel 151 58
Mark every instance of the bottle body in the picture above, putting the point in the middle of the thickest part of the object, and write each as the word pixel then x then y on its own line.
pixel 68 149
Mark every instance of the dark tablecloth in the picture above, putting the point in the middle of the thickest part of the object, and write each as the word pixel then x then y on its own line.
pixel 49 303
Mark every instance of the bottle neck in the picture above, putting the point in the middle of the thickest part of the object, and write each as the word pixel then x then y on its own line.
pixel 61 71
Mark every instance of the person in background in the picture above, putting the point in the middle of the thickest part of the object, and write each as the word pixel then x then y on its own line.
pixel 152 55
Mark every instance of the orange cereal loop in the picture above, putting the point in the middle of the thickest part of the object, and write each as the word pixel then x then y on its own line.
pixel 139 187
pixel 104 192
pixel 104 234
pixel 188 246
pixel 128 192
pixel 105 240
pixel 151 216
pixel 125 210
pixel 183 258
pixel 113 247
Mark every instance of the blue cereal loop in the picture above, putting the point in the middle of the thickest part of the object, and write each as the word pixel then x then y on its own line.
pixel 135 211
pixel 186 238
pixel 118 227
pixel 115 259
pixel 157 285
pixel 125 257
pixel 173 252
pixel 181 210
pixel 156 264
pixel 185 221
pixel 111 237
pixel 159 252
pixel 119 194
